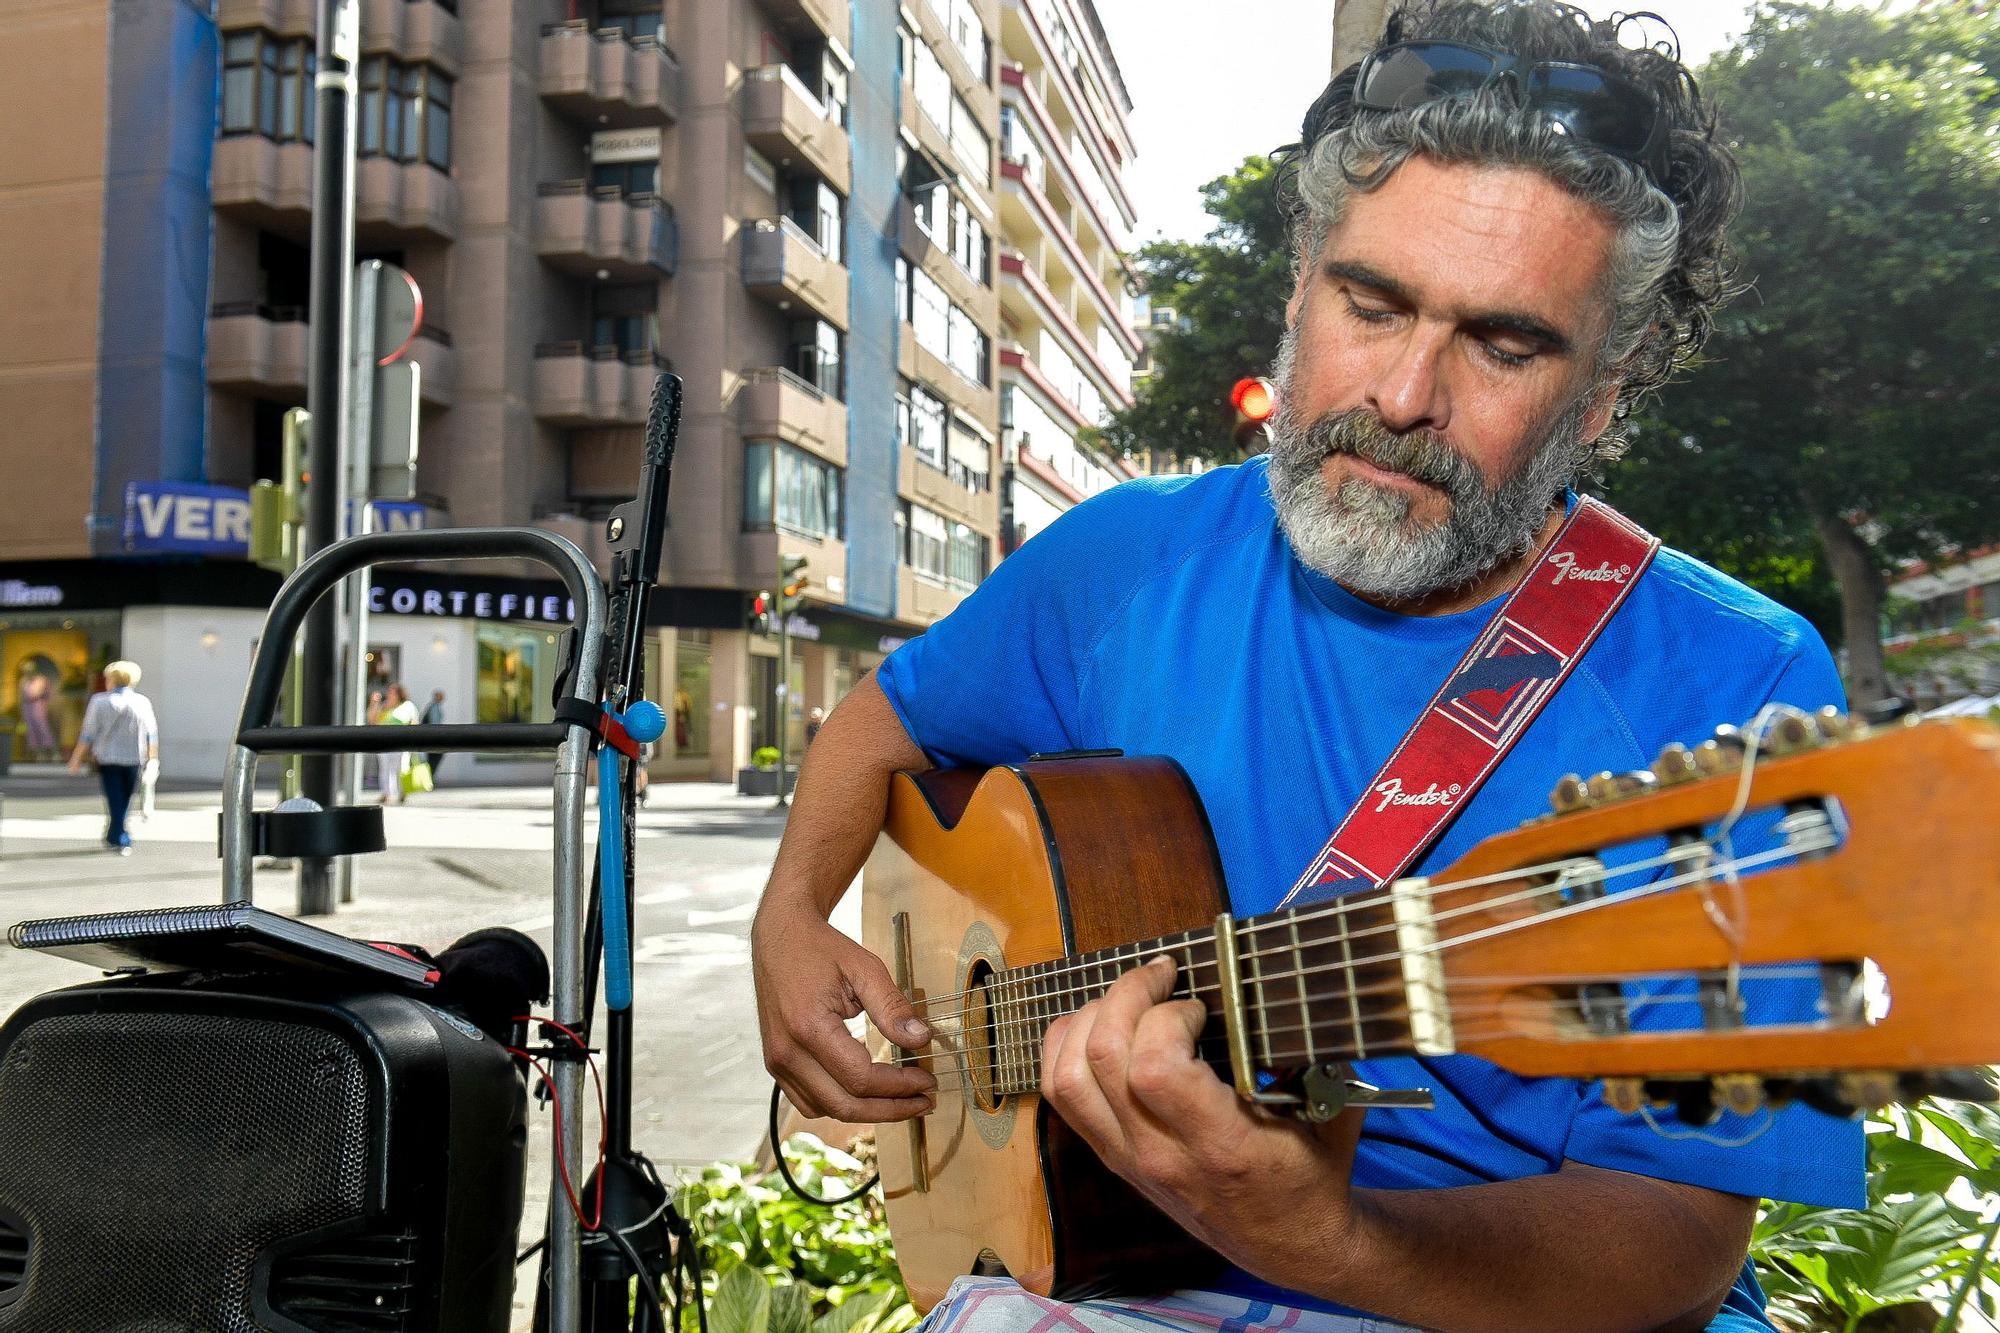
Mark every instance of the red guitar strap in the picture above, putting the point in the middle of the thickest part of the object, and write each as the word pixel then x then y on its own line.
pixel 1497 689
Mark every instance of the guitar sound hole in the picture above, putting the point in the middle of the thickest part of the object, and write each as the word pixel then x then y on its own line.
pixel 980 1036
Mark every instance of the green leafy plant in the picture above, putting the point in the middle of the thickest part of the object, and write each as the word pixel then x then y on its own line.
pixel 1920 1256
pixel 764 756
pixel 775 1263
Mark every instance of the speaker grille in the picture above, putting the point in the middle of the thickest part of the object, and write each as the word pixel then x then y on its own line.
pixel 155 1155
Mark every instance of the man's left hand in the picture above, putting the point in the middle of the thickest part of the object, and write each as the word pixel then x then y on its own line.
pixel 1123 1072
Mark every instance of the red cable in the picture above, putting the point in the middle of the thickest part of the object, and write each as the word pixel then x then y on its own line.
pixel 595 1223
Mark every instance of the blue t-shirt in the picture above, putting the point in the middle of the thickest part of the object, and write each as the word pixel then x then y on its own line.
pixel 1170 617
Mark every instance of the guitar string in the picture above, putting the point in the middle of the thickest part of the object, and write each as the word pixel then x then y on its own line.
pixel 1672 856
pixel 1759 972
pixel 1355 903
pixel 1150 949
pixel 1014 1027
pixel 1028 1060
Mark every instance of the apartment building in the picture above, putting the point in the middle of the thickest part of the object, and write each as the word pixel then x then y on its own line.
pixel 793 204
pixel 1068 345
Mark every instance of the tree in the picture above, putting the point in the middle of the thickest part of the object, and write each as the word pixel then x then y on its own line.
pixel 1844 416
pixel 1230 291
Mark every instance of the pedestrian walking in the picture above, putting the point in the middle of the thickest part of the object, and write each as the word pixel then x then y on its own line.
pixel 397 711
pixel 814 721
pixel 121 735
pixel 434 717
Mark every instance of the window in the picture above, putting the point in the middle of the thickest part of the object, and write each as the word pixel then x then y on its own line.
pixel 634 18
pixel 267 86
pixel 625 319
pixel 405 112
pixel 973 149
pixel 791 488
pixel 969 244
pixel 627 178
pixel 817 208
pixel 816 356
pixel 515 666
pixel 941 549
pixel 760 171
pixel 968 34
pixel 968 557
pixel 934 95
pixel 930 314
pixel 927 417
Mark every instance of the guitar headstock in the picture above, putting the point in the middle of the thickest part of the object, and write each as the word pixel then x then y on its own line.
pixel 1866 877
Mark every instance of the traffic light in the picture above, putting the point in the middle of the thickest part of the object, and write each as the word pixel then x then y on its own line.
pixel 278 508
pixel 760 613
pixel 1255 399
pixel 793 568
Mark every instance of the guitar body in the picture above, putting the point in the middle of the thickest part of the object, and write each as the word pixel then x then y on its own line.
pixel 977 872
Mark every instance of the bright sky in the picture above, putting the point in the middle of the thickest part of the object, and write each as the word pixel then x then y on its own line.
pixel 1214 81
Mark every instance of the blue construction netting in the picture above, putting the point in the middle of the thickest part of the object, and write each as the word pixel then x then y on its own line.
pixel 164 77
pixel 873 324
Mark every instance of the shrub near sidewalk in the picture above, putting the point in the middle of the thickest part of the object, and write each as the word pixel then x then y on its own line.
pixel 777 1264
pixel 1920 1257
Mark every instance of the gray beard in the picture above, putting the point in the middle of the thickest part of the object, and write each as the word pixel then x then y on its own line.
pixel 1362 536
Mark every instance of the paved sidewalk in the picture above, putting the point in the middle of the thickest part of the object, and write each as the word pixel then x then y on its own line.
pixel 460 859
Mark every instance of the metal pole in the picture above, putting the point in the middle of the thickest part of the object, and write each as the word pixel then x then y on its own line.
pixel 337 48
pixel 358 459
pixel 784 690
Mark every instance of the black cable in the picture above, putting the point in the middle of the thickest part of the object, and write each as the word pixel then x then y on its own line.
pixel 649 1289
pixel 778 1153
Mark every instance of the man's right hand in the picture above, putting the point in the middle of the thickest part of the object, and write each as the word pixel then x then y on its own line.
pixel 810 980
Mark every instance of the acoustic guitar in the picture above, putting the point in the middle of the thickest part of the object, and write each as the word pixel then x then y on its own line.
pixel 1004 898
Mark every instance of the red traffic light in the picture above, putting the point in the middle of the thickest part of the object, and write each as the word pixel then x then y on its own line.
pixel 1254 398
pixel 760 604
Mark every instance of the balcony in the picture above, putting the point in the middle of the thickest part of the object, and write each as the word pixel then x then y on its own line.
pixel 966 292
pixel 811 18
pixel 784 266
pixel 786 123
pixel 948 492
pixel 264 182
pixel 593 386
pixel 414 30
pixel 775 404
pixel 404 199
pixel 258 349
pixel 600 233
pixel 283 18
pixel 433 351
pixel 607 80
pixel 922 600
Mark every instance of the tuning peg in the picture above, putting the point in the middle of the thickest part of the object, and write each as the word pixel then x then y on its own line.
pixel 1838 726
pixel 1868 1089
pixel 1625 1095
pixel 1675 764
pixel 1713 758
pixel 1569 795
pixel 1608 786
pixel 1790 732
pixel 1740 1094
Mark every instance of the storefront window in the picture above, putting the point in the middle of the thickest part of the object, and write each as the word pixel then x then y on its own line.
pixel 516 669
pixel 50 665
pixel 692 652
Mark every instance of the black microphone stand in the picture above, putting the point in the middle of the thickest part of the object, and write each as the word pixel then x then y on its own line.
pixel 640 1235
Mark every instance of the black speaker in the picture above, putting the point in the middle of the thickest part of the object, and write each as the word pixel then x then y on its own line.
pixel 180 1155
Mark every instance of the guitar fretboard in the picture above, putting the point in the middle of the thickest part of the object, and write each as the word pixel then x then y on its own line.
pixel 1311 991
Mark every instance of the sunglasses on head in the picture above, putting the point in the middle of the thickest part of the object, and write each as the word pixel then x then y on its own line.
pixel 1592 105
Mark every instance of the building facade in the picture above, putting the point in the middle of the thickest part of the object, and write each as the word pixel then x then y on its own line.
pixel 796 205
pixel 1943 629
pixel 1068 345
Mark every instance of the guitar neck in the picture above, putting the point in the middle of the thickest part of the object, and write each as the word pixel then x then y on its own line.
pixel 1311 990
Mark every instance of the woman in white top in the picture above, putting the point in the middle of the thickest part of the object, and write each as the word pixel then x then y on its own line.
pixel 397 711
pixel 122 735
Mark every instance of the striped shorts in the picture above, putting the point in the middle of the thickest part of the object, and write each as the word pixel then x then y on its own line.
pixel 1000 1305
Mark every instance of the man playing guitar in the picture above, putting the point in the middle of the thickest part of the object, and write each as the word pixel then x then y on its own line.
pixel 1508 229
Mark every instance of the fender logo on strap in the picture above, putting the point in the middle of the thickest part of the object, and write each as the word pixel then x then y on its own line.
pixel 1508 675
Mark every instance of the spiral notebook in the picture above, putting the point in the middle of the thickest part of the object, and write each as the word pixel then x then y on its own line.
pixel 226 937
